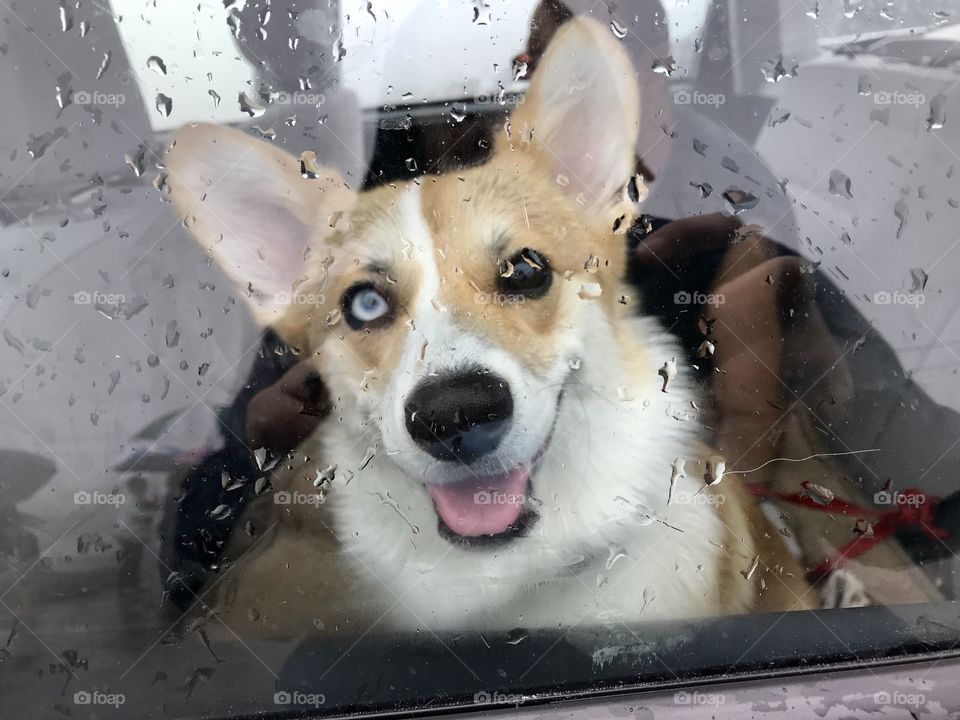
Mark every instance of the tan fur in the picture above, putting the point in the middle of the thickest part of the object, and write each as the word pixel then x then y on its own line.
pixel 296 572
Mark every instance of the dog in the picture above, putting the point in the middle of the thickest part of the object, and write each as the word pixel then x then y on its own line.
pixel 508 445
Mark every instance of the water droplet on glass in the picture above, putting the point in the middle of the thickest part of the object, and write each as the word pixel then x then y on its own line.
pixel 668 372
pixel 156 64
pixel 614 553
pixel 818 493
pixel 716 466
pixel 411 164
pixel 66 19
pixel 619 31
pixel 739 201
pixel 164 104
pixel 215 96
pixel 220 512
pixel 774 70
pixel 665 66
pixel 104 64
pixel 938 113
pixel 250 106
pixel 918 280
pixel 457 115
pixel 840 185
pixel 814 12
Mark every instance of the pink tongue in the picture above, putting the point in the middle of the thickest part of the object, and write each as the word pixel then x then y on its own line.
pixel 484 506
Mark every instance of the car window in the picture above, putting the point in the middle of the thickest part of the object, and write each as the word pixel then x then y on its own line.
pixel 369 357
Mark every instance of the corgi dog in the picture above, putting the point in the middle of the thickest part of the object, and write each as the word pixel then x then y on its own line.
pixel 507 446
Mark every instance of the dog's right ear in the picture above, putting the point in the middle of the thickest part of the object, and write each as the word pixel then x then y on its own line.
pixel 252 207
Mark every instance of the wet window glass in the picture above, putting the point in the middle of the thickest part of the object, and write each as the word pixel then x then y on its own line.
pixel 362 356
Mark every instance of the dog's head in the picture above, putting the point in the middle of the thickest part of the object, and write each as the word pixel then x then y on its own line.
pixel 446 313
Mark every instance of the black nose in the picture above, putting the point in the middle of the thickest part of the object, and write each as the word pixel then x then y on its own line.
pixel 459 416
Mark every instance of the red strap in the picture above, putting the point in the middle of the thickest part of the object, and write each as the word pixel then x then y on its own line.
pixel 911 508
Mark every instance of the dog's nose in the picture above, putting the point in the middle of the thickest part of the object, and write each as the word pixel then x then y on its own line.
pixel 459 416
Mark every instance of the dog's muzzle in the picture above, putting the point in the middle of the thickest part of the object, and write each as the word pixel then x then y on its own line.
pixel 459 416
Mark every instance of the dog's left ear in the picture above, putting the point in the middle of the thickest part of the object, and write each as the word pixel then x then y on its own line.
pixel 581 114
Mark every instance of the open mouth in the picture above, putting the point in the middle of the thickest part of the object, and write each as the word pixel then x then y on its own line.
pixel 479 512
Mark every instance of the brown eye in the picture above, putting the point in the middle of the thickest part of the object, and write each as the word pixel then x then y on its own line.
pixel 527 273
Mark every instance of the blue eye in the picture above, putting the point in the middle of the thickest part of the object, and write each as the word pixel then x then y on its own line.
pixel 363 305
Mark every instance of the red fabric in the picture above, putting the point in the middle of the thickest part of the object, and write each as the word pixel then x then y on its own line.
pixel 915 510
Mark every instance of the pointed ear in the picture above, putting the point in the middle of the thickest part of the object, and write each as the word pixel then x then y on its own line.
pixel 581 114
pixel 250 205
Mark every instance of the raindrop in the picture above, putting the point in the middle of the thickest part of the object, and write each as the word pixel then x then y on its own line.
pixel 739 201
pixel 519 70
pixel 918 280
pixel 774 70
pixel 716 467
pixel 173 335
pixel 814 12
pixel 367 458
pixel 817 493
pixel 938 113
pixel 215 96
pixel 66 19
pixel 220 512
pixel 705 189
pixel 250 106
pixel 457 115
pixel 411 164
pixel 864 86
pixel 136 160
pixel 840 185
pixel 155 63
pixel 619 31
pixel 104 64
pixel 164 104
pixel 613 554
pixel 902 213
pixel 665 66
pixel 481 13
pixel 668 372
